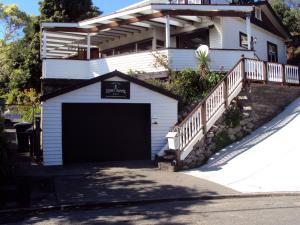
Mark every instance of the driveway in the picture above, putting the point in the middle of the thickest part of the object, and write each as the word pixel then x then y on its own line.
pixel 115 182
pixel 265 161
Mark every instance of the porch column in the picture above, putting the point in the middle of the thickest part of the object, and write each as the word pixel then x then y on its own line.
pixel 248 25
pixel 168 32
pixel 44 44
pixel 154 40
pixel 88 56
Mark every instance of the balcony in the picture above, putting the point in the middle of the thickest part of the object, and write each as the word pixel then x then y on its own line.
pixel 144 62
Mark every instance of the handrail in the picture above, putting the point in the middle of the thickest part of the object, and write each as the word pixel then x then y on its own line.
pixel 206 97
pixel 206 110
pixel 209 109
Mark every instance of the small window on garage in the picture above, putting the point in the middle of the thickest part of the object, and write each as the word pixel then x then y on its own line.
pixel 272 52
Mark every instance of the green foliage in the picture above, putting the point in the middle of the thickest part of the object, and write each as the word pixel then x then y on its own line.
pixel 233 116
pixel 67 10
pixel 211 79
pixel 158 83
pixel 27 102
pixel 20 64
pixel 134 73
pixel 186 85
pixel 203 60
pixel 12 21
pixel 289 12
pixel 222 140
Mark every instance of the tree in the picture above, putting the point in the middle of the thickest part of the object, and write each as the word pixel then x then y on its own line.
pixel 20 64
pixel 289 11
pixel 12 21
pixel 67 10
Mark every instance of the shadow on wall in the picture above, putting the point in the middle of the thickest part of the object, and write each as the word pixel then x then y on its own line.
pixel 256 137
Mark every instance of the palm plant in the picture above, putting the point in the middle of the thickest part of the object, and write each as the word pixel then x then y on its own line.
pixel 203 60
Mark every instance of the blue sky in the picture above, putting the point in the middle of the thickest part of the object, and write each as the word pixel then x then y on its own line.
pixel 107 6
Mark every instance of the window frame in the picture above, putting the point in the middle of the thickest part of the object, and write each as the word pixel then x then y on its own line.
pixel 245 35
pixel 270 57
pixel 258 13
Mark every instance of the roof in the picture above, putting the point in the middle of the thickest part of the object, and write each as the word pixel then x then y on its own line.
pixel 278 28
pixel 105 77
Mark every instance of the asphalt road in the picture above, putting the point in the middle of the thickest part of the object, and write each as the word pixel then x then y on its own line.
pixel 252 211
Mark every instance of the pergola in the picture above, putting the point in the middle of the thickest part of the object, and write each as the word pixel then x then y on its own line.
pixel 60 40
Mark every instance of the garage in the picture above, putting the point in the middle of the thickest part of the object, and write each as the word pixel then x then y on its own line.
pixel 105 134
pixel 113 117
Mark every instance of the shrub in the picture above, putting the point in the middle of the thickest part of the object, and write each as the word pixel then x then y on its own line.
pixel 211 79
pixel 135 73
pixel 222 140
pixel 27 103
pixel 203 61
pixel 158 83
pixel 233 116
pixel 186 85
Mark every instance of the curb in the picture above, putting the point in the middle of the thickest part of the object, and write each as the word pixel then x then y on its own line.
pixel 113 204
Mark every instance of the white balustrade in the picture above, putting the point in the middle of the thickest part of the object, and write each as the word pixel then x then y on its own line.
pixel 194 123
pixel 254 69
pixel 275 72
pixel 189 128
pixel 292 74
pixel 214 101
pixel 234 78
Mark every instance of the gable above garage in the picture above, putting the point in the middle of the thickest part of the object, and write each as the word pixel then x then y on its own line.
pixel 107 77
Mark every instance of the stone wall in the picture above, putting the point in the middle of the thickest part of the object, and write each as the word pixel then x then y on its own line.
pixel 256 105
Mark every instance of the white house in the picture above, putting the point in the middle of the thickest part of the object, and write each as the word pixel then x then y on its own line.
pixel 106 115
pixel 131 39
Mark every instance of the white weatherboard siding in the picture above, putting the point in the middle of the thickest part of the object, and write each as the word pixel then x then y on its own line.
pixel 66 68
pixel 215 35
pixel 143 61
pixel 231 38
pixel 220 60
pixel 179 59
pixel 163 111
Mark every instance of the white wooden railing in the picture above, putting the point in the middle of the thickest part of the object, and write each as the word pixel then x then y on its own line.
pixel 271 72
pixel 291 74
pixel 275 72
pixel 209 110
pixel 254 69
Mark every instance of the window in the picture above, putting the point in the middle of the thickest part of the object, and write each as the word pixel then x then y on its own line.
pixel 258 13
pixel 272 52
pixel 243 40
pixel 193 40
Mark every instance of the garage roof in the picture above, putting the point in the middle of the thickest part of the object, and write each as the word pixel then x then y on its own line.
pixel 105 77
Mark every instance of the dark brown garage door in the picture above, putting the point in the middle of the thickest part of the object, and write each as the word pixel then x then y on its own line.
pixel 106 132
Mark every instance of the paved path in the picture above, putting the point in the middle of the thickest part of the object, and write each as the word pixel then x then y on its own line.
pixel 265 161
pixel 119 182
pixel 246 211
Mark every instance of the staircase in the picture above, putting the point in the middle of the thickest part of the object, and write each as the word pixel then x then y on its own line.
pixel 185 135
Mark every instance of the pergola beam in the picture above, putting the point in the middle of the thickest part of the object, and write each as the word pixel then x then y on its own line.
pixel 143 18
